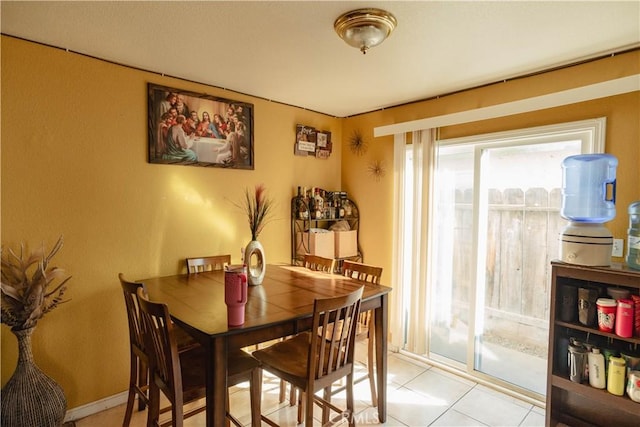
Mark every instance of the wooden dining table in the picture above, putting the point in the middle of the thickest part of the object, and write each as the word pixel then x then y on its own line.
pixel 281 306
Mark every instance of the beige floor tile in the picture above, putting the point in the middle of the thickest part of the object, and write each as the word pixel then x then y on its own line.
pixel 418 395
pixel 491 409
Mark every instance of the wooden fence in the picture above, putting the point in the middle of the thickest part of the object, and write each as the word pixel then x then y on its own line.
pixel 523 229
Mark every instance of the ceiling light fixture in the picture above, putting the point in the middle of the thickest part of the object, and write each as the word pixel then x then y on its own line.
pixel 365 28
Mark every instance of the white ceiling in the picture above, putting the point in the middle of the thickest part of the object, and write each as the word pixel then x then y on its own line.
pixel 287 51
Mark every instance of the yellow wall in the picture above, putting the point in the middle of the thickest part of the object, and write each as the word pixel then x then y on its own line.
pixel 74 144
pixel 74 139
pixel 374 198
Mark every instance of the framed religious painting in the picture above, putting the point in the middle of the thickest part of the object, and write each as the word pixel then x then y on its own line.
pixel 188 128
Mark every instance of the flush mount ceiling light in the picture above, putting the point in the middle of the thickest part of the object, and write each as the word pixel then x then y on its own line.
pixel 365 28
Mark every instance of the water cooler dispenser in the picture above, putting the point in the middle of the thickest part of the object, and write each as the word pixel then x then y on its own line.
pixel 588 201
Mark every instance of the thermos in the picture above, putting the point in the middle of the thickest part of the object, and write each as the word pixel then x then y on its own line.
pixel 597 377
pixel 587 306
pixel 633 386
pixel 624 318
pixel 606 314
pixel 615 380
pixel 568 303
pixel 633 236
pixel 235 294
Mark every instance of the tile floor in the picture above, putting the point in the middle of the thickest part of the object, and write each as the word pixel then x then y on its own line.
pixel 418 395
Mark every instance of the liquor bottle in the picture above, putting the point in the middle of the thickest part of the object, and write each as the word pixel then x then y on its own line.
pixel 319 204
pixel 326 206
pixel 347 208
pixel 339 207
pixel 305 208
pixel 301 208
pixel 312 205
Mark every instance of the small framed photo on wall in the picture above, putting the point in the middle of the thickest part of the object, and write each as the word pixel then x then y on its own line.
pixel 311 142
pixel 323 144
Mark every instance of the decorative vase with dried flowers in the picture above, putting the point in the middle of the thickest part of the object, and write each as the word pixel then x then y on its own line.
pixel 30 397
pixel 258 208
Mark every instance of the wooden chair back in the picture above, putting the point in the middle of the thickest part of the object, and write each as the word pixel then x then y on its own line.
pixel 364 272
pixel 163 349
pixel 139 361
pixel 366 326
pixel 136 335
pixel 335 320
pixel 208 263
pixel 181 375
pixel 318 263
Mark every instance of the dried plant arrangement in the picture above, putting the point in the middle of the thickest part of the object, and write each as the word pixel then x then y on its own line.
pixel 259 209
pixel 29 289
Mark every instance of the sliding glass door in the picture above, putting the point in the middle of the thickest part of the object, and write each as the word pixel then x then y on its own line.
pixel 493 227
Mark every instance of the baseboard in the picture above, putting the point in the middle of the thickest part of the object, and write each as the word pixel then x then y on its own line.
pixel 95 407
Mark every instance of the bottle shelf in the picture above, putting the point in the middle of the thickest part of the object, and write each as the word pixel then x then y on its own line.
pixel 623 403
pixel 595 331
pixel 300 246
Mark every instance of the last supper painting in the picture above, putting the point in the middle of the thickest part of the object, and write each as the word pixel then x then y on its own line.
pixel 187 128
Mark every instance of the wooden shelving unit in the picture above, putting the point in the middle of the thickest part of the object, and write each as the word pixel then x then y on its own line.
pixel 579 404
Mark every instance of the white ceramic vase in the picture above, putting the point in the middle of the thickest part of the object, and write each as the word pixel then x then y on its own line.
pixel 256 264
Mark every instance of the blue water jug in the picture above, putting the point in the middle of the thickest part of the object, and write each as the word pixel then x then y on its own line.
pixel 589 188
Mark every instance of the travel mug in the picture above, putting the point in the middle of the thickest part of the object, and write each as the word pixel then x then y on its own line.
pixel 615 377
pixel 587 306
pixel 561 355
pixel 618 293
pixel 633 386
pixel 606 314
pixel 235 295
pixel 568 303
pixel 624 318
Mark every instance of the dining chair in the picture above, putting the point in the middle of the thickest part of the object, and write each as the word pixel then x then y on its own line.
pixel 207 263
pixel 139 364
pixel 139 359
pixel 311 363
pixel 315 263
pixel 180 376
pixel 318 263
pixel 372 274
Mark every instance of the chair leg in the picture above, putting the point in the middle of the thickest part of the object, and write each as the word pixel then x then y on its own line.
pixel 227 422
pixel 308 413
pixel 301 401
pixel 371 362
pixel 255 387
pixel 154 406
pixel 292 395
pixel 133 377
pixel 132 394
pixel 143 384
pixel 350 401
pixel 325 409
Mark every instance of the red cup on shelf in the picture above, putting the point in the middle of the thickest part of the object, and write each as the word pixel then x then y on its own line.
pixel 606 314
pixel 624 318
